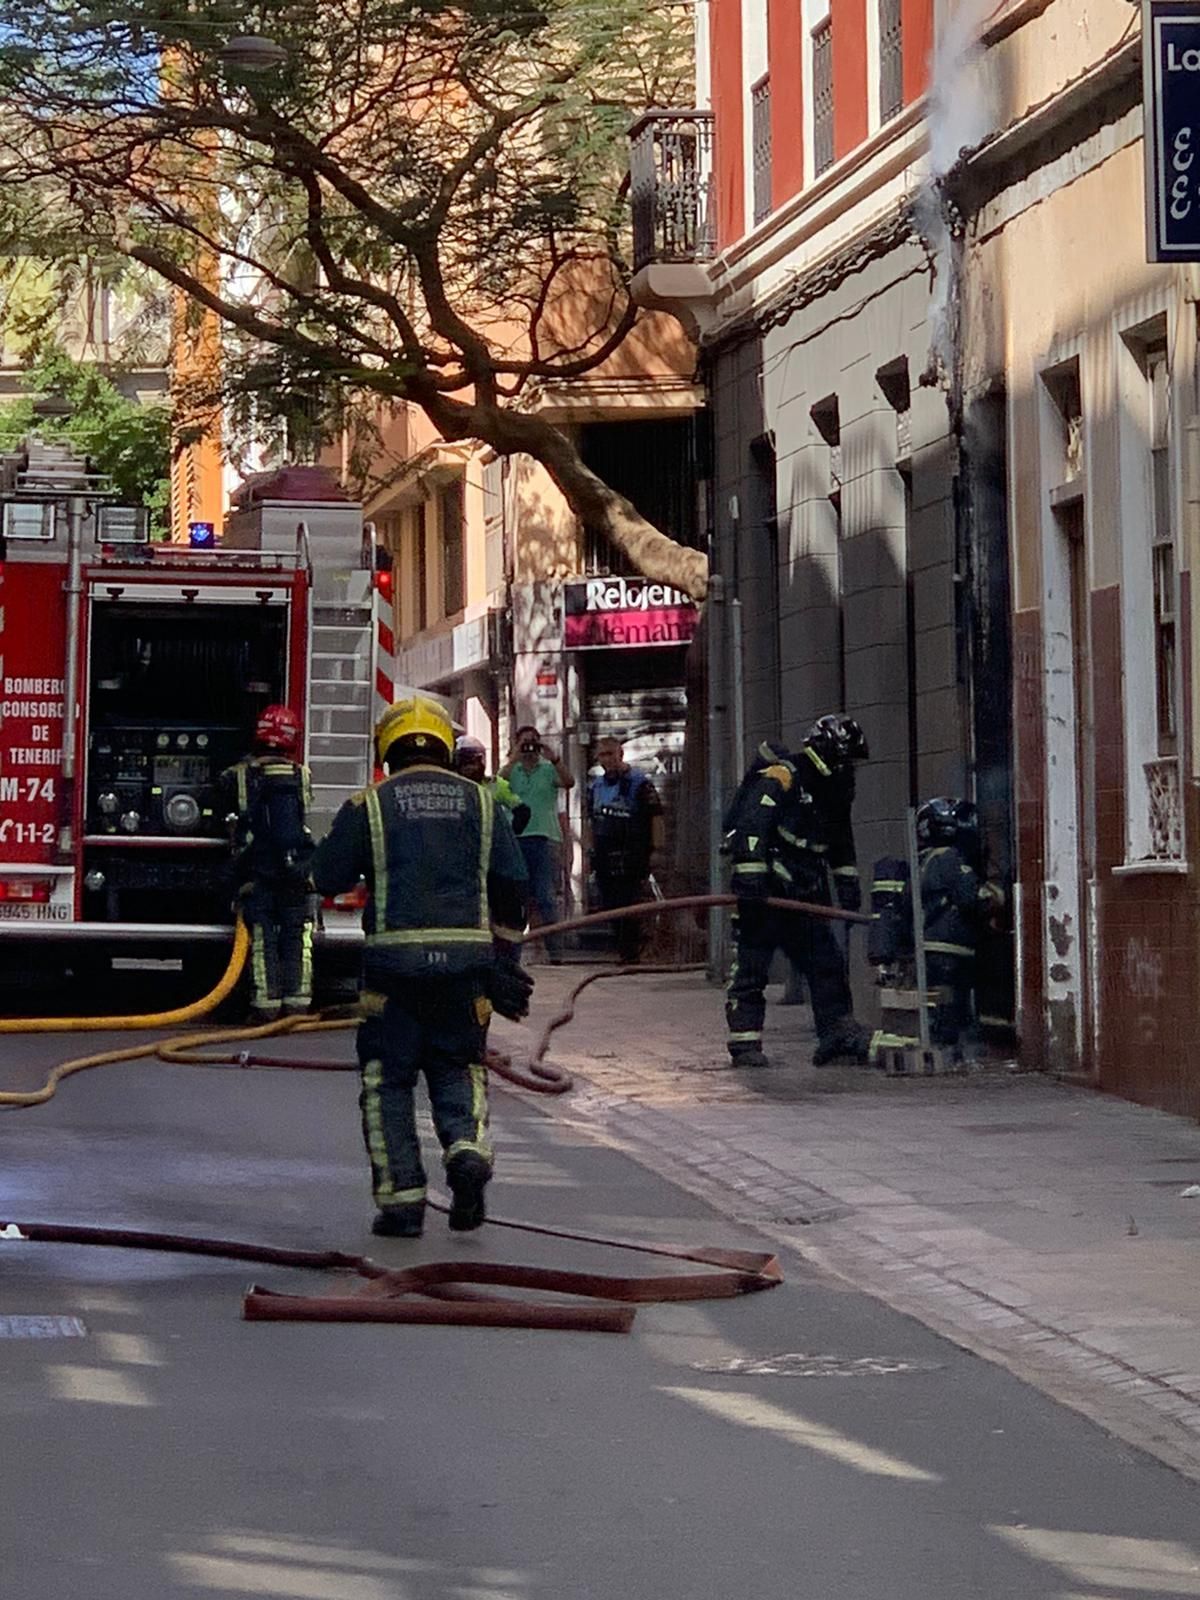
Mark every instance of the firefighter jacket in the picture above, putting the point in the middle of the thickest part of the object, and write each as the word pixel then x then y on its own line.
pixel 445 877
pixel 789 826
pixel 270 796
pixel 954 903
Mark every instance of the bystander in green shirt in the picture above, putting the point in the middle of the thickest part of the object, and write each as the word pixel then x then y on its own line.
pixel 538 789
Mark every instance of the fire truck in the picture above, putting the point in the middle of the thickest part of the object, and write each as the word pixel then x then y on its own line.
pixel 131 676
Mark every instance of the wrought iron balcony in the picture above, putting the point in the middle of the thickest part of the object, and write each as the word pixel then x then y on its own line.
pixel 671 188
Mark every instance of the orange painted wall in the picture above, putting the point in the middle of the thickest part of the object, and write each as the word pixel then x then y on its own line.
pixel 849 74
pixel 785 46
pixel 728 95
pixel 916 17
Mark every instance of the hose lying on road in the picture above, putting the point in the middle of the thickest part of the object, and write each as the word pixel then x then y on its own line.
pixel 197 1049
pixel 446 1291
pixel 153 1019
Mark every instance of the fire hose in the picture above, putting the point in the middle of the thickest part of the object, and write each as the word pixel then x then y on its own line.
pixel 385 1294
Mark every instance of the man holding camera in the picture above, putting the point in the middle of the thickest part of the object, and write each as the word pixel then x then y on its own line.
pixel 537 775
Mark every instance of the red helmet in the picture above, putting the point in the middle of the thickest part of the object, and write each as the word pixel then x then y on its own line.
pixel 278 728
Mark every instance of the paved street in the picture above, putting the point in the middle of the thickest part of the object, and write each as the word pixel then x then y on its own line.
pixel 173 1450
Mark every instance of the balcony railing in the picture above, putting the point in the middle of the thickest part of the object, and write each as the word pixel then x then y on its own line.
pixel 671 187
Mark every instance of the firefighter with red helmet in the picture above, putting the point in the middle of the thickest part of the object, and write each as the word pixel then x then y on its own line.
pixel 443 920
pixel 788 832
pixel 267 797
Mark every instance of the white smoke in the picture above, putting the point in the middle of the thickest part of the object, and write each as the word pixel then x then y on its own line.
pixel 958 116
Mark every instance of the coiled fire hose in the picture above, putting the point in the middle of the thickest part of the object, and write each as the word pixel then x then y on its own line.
pixel 431 1292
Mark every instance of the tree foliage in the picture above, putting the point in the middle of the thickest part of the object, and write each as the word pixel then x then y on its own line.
pixel 425 202
pixel 128 441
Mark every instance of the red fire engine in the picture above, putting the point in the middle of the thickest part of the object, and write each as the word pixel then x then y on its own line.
pixel 131 675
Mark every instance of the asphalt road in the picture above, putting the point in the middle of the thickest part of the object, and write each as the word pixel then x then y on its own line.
pixel 173 1450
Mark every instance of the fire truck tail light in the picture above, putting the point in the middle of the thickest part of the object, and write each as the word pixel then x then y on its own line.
pixel 34 891
pixel 353 900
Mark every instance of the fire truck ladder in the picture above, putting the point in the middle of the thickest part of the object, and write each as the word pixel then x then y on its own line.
pixel 340 682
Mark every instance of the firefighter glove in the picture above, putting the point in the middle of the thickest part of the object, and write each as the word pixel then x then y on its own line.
pixel 509 988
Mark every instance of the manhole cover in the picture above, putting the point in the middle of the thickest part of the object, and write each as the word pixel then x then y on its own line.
pixel 798 1365
pixel 41 1328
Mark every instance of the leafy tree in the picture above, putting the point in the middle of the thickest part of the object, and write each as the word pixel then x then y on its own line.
pixel 423 202
pixel 128 441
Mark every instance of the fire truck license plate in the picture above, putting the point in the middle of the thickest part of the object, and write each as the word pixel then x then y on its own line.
pixel 17 912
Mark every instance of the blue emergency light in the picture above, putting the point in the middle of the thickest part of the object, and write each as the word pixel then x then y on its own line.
pixel 202 535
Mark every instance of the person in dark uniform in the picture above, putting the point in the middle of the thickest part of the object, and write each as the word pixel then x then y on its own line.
pixel 444 915
pixel 625 826
pixel 789 830
pixel 267 797
pixel 955 904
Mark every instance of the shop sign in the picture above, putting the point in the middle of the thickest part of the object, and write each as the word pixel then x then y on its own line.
pixel 1171 118
pixel 611 613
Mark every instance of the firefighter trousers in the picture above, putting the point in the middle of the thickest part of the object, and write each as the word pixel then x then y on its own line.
pixel 810 946
pixel 281 918
pixel 435 1026
pixel 953 979
pixel 628 932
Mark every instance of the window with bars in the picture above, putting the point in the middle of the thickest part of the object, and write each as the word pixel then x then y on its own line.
pixel 822 77
pixel 891 59
pixel 760 141
pixel 454 549
pixel 1162 548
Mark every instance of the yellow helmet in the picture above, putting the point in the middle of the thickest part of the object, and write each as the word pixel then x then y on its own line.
pixel 417 717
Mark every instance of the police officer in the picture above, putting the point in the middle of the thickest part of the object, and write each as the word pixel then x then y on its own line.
pixel 954 905
pixel 445 909
pixel 788 830
pixel 267 798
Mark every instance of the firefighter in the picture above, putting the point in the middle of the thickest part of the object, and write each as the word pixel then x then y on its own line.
pixel 788 830
pixel 444 914
pixel 267 797
pixel 954 905
pixel 470 758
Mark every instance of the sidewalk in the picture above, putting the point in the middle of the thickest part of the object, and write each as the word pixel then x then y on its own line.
pixel 1041 1225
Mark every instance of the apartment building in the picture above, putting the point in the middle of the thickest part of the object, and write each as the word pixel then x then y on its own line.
pixel 499 597
pixel 955 479
pixel 780 220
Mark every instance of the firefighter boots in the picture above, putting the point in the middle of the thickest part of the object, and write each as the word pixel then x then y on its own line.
pixel 399 1222
pixel 467 1175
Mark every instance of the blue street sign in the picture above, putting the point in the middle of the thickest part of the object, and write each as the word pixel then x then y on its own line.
pixel 1171 111
pixel 202 535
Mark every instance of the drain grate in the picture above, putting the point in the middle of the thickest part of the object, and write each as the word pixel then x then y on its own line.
pixel 41 1327
pixel 796 1364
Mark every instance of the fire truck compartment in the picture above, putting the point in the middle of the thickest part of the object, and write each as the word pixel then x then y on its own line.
pixel 173 693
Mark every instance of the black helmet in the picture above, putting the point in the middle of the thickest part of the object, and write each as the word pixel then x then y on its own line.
pixel 838 741
pixel 947 821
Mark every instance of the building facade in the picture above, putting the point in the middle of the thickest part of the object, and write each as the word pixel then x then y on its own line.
pixel 955 477
pixel 858 572
pixel 1096 358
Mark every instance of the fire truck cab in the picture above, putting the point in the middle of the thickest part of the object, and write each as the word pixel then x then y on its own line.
pixel 131 676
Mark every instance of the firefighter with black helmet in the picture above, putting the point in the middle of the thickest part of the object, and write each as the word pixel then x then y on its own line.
pixel 267 797
pixel 954 906
pixel 445 911
pixel 788 831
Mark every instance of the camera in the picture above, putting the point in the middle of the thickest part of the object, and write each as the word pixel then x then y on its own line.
pixel 530 749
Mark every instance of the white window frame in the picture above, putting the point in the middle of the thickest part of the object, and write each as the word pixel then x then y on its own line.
pixel 813 14
pixel 756 65
pixel 1064 828
pixel 1144 324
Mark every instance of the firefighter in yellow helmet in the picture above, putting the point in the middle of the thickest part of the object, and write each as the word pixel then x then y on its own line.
pixel 445 909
